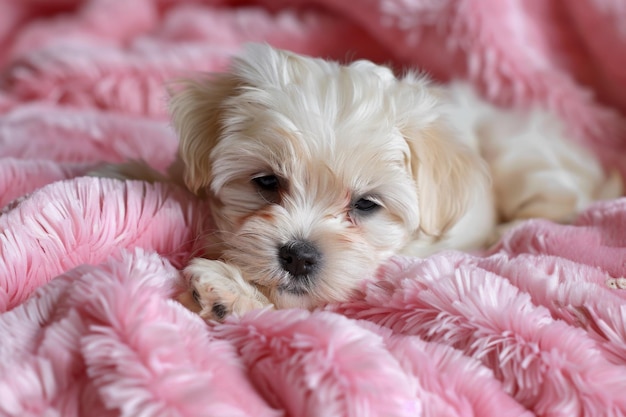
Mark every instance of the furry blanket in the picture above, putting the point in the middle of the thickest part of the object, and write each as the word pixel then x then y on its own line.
pixel 89 267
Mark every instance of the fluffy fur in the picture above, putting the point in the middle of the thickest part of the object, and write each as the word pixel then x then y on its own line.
pixel 529 328
pixel 317 172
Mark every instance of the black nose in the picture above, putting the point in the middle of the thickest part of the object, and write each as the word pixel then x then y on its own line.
pixel 299 258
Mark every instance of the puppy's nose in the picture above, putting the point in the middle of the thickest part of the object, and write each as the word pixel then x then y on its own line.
pixel 299 258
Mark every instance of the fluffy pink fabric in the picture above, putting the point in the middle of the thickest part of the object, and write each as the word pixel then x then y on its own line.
pixel 89 267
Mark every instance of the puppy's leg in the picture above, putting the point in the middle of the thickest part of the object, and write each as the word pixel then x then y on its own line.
pixel 218 289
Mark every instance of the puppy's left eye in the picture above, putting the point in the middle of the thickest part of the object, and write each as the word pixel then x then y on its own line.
pixel 365 205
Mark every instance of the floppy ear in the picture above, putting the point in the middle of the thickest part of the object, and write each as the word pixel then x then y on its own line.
pixel 196 108
pixel 448 175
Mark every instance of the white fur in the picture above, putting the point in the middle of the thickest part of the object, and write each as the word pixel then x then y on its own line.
pixel 334 134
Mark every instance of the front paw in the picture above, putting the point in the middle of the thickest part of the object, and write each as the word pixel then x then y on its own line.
pixel 218 289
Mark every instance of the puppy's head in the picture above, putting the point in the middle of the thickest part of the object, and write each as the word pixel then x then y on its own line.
pixel 318 172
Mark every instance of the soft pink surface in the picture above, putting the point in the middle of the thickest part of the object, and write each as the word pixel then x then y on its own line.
pixel 88 266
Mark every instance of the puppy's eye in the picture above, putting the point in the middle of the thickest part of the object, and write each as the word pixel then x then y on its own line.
pixel 365 205
pixel 267 182
pixel 268 186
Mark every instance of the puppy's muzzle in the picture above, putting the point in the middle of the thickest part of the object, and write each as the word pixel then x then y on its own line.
pixel 300 258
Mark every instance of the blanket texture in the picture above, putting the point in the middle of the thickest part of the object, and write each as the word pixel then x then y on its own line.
pixel 89 267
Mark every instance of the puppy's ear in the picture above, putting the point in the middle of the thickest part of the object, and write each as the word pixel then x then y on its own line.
pixel 197 107
pixel 448 174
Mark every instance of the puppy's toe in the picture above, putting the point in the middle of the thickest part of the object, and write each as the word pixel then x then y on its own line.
pixel 212 303
pixel 217 290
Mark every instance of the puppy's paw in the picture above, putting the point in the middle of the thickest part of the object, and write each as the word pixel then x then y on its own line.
pixel 218 289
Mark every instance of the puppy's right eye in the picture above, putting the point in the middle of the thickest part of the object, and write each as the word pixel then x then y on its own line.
pixel 267 182
pixel 268 187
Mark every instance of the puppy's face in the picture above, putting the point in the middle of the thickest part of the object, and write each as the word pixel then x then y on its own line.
pixel 318 172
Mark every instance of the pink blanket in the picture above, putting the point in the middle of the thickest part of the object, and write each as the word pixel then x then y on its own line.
pixel 89 267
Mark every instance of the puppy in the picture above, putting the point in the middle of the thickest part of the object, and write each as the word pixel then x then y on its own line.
pixel 318 172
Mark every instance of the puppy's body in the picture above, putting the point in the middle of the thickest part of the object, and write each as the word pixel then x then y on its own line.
pixel 318 172
pixel 536 172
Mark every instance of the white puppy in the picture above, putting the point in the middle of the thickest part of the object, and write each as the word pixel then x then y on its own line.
pixel 318 172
